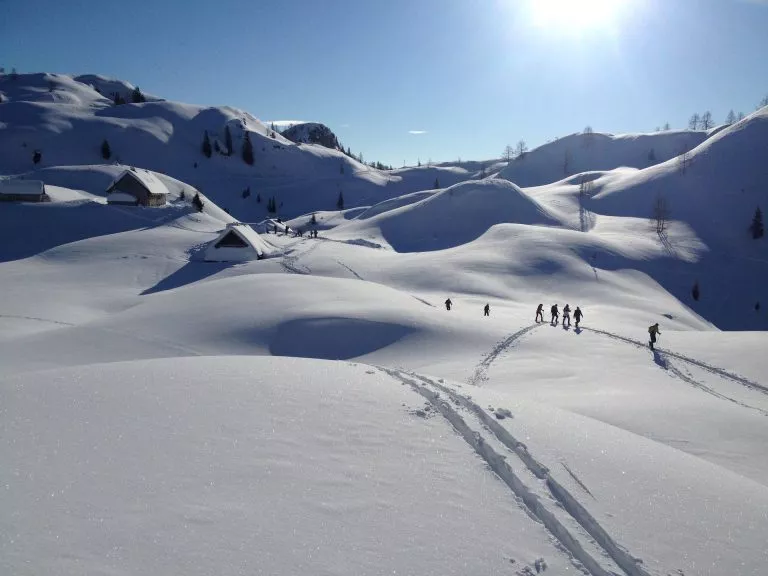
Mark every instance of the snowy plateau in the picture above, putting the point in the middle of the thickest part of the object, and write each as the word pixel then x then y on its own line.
pixel 316 409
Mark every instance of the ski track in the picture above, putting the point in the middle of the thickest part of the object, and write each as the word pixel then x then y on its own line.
pixel 58 322
pixel 708 367
pixel 696 384
pixel 481 371
pixel 431 390
pixel 290 263
pixel 355 274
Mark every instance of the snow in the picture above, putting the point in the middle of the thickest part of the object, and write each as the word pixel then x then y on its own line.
pixel 320 411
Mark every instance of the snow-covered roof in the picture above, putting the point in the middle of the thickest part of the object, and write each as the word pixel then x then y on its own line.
pixel 147 179
pixel 25 187
pixel 255 247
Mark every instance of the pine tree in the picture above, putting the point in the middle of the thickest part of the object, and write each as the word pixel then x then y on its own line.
pixel 340 202
pixel 37 156
pixel 258 198
pixel 106 151
pixel 206 145
pixel 313 221
pixel 197 202
pixel 695 291
pixel 652 156
pixel 247 192
pixel 247 150
pixel 757 224
pixel 216 147
pixel 137 97
pixel 228 140
pixel 436 185
pixel 182 194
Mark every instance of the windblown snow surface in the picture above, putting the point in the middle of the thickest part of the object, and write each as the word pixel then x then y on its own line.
pixel 321 412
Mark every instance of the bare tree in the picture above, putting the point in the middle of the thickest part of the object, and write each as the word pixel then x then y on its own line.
pixel 740 117
pixel 509 153
pixel 666 126
pixel 521 149
pixel 763 102
pixel 706 120
pixel 731 118
pixel 693 122
pixel 684 160
pixel 660 217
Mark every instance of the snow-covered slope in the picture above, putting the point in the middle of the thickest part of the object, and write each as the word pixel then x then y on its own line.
pixel 451 217
pixel 588 152
pixel 68 119
pixel 320 411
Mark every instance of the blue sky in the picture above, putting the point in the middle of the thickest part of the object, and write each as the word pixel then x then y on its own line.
pixel 472 75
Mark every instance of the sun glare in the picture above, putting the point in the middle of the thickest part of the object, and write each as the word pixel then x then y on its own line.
pixel 576 15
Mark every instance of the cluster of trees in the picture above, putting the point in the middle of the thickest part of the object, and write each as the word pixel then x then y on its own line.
pixel 515 152
pixel 136 97
pixel 701 122
pixel 247 151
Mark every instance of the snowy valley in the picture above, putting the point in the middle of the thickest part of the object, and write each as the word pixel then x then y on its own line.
pixel 204 386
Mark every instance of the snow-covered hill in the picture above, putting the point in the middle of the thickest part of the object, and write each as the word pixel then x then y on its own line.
pixel 68 119
pixel 593 151
pixel 320 410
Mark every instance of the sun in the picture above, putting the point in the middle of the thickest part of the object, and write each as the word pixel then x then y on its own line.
pixel 576 15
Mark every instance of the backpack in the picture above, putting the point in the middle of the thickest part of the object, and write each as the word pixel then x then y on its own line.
pixel 650 330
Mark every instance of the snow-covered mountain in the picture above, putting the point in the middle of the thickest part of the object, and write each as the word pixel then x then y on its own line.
pixel 320 410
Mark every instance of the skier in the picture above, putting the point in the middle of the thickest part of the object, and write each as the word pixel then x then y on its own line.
pixel 555 314
pixel 653 331
pixel 567 315
pixel 448 304
pixel 540 313
pixel 487 310
pixel 577 316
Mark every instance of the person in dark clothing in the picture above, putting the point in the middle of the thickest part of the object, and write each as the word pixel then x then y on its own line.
pixel 653 331
pixel 448 304
pixel 555 314
pixel 567 315
pixel 577 316
pixel 487 310
pixel 540 313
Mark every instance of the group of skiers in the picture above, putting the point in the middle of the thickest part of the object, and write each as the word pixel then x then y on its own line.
pixel 653 331
pixel 555 315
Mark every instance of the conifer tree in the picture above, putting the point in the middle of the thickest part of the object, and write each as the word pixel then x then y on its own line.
pixel 247 150
pixel 757 224
pixel 106 151
pixel 206 145
pixel 340 202
pixel 137 97
pixel 197 202
pixel 436 185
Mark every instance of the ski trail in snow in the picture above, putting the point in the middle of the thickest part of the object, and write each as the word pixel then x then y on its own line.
pixel 355 274
pixel 704 366
pixel 630 564
pixel 696 384
pixel 290 263
pixel 481 371
pixel 36 319
pixel 497 463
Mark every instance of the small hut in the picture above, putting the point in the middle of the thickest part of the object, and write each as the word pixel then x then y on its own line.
pixel 137 187
pixel 237 243
pixel 18 190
